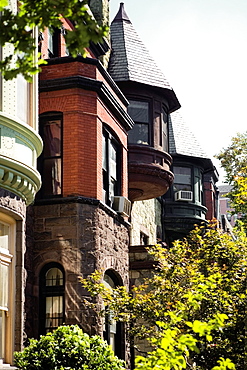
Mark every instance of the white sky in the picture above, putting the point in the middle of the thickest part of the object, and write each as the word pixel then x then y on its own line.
pixel 201 47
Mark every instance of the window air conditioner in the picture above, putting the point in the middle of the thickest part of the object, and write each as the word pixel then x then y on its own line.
pixel 122 205
pixel 184 195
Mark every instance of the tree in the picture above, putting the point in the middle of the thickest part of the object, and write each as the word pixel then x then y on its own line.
pixel 68 348
pixel 196 279
pixel 17 30
pixel 174 347
pixel 234 161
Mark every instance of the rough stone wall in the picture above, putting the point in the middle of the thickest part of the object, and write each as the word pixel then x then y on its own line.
pixel 81 237
pixel 146 218
pixel 142 267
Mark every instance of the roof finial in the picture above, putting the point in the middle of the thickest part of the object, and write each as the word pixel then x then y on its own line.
pixel 121 15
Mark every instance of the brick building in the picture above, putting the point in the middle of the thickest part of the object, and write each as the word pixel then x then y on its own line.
pixel 111 147
pixel 20 145
pixel 193 198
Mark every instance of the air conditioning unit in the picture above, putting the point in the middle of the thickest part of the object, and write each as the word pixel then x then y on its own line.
pixel 122 205
pixel 184 195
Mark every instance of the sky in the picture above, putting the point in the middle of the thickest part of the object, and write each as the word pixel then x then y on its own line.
pixel 201 47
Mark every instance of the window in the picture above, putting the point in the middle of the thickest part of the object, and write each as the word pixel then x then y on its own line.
pixel 23 97
pixel 144 239
pixel 198 189
pixel 52 285
pixel 113 330
pixel 111 167
pixel 5 260
pixel 164 131
pixel 7 274
pixel 50 162
pixel 139 112
pixel 54 36
pixel 182 178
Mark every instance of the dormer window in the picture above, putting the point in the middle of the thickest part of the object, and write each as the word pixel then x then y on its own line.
pixel 139 112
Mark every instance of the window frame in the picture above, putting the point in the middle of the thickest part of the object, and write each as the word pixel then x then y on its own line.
pixel 43 192
pixel 111 141
pixel 9 312
pixel 46 291
pixel 54 40
pixel 119 349
pixel 191 184
pixel 137 122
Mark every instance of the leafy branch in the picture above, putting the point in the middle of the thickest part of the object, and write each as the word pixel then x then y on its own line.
pixel 17 31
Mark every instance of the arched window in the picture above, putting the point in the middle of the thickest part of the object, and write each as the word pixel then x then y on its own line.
pixel 50 161
pixel 52 313
pixel 113 330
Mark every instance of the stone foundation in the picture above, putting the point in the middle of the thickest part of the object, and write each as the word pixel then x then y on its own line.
pixel 82 235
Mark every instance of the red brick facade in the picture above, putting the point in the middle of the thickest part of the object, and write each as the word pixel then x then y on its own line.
pixel 84 114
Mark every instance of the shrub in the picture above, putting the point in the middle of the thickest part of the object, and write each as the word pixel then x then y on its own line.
pixel 68 348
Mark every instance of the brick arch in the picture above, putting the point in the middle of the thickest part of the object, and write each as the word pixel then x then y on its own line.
pixel 51 103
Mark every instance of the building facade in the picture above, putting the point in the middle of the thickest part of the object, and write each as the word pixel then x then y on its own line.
pixel 193 198
pixel 110 153
pixel 20 145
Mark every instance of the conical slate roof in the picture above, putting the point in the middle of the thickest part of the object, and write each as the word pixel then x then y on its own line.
pixel 131 61
pixel 181 140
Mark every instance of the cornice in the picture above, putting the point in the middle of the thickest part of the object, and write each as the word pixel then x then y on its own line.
pixel 100 67
pixel 83 200
pixel 93 85
pixel 19 179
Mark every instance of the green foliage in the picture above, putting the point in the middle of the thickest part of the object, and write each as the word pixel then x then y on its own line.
pixel 68 348
pixel 234 161
pixel 17 30
pixel 197 279
pixel 173 349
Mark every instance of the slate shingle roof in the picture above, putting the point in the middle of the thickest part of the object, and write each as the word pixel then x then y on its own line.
pixel 131 61
pixel 182 140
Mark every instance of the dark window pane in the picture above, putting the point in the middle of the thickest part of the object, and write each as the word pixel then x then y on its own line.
pixel 52 138
pixel 164 131
pixel 138 111
pixel 182 175
pixel 52 176
pixel 54 312
pixel 177 187
pixel 54 276
pixel 139 134
pixel 104 153
pixel 50 162
pixel 110 167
